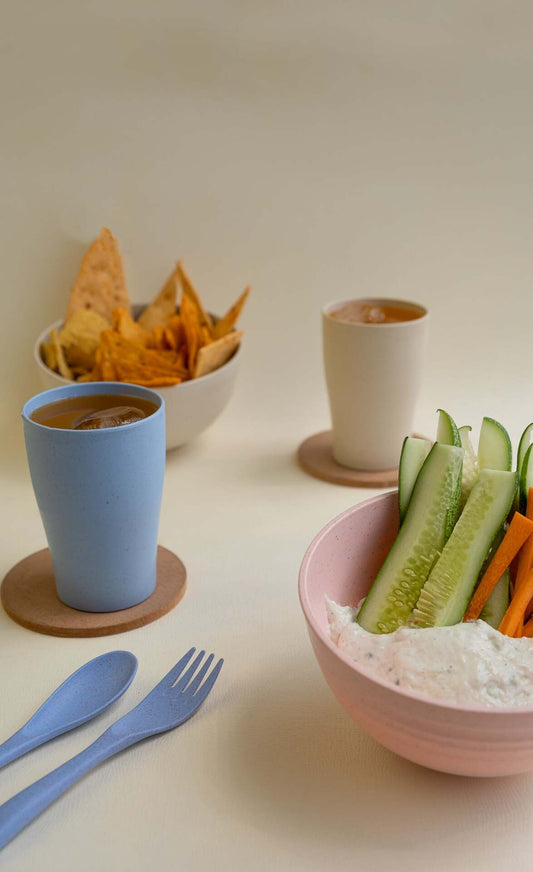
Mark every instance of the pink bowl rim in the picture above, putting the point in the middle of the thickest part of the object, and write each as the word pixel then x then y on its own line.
pixel 520 710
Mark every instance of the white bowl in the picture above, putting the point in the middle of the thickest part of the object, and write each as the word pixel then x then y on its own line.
pixel 190 407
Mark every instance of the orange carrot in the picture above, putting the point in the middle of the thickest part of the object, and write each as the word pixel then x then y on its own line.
pixel 517 533
pixel 525 558
pixel 528 629
pixel 513 618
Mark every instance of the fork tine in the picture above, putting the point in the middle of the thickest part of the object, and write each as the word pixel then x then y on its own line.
pixel 176 670
pixel 197 680
pixel 186 677
pixel 209 682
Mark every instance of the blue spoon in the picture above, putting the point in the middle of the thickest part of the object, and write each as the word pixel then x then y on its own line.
pixel 82 696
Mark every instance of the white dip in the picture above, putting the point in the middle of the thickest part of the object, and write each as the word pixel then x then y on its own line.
pixel 466 663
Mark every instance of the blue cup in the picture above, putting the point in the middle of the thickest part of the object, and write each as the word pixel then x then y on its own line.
pixel 99 494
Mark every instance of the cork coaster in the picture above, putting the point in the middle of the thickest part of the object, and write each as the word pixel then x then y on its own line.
pixel 29 596
pixel 316 458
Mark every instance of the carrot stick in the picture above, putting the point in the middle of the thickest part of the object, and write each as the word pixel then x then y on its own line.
pixel 514 616
pixel 517 533
pixel 525 557
pixel 528 629
pixel 524 560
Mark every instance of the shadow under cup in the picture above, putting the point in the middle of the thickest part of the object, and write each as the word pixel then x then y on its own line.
pixel 99 494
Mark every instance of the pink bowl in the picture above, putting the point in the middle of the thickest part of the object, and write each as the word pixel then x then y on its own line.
pixel 341 562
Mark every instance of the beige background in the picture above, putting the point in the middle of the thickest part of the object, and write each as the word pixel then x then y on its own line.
pixel 316 150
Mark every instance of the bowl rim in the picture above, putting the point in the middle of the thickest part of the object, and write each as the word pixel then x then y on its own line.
pixel 497 710
pixel 185 385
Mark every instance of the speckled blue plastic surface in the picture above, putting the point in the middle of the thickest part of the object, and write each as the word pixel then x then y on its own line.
pixel 99 495
pixel 82 696
pixel 175 699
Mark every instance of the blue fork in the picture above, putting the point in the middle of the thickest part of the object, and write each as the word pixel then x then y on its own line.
pixel 175 699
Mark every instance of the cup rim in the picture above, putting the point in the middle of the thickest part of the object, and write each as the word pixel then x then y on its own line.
pixel 333 305
pixel 76 389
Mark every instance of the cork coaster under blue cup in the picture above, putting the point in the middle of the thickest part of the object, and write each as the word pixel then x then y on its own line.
pixel 29 597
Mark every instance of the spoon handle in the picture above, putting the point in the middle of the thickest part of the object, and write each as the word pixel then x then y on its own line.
pixel 22 808
pixel 17 745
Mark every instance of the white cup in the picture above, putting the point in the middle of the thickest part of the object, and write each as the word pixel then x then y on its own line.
pixel 373 376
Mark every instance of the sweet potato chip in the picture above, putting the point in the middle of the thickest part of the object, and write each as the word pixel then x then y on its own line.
pixel 179 333
pixel 118 349
pixel 125 326
pixel 170 338
pixel 157 338
pixel 133 372
pixel 100 284
pixel 104 368
pixel 227 323
pixel 80 337
pixel 190 291
pixel 163 306
pixel 214 355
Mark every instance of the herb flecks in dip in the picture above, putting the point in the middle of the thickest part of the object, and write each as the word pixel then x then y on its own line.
pixel 468 663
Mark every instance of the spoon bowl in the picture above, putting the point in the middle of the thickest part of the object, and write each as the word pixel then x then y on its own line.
pixel 83 695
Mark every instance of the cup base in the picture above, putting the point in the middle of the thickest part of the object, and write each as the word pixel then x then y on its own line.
pixel 315 456
pixel 28 595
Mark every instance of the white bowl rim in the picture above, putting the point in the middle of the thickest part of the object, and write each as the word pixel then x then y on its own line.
pixel 520 710
pixel 185 385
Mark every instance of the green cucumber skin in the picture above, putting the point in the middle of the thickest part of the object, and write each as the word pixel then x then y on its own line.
pixel 523 445
pixel 498 602
pixel 414 452
pixel 525 479
pixel 448 434
pixel 418 544
pixel 445 596
pixel 494 448
pixel 447 431
pixel 470 465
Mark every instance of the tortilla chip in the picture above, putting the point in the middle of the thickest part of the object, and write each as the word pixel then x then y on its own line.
pixel 62 365
pixel 190 291
pixel 80 337
pixel 100 284
pixel 227 323
pixel 214 355
pixel 162 307
pixel 190 320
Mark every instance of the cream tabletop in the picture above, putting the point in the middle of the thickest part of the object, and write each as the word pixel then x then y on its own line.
pixel 317 151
